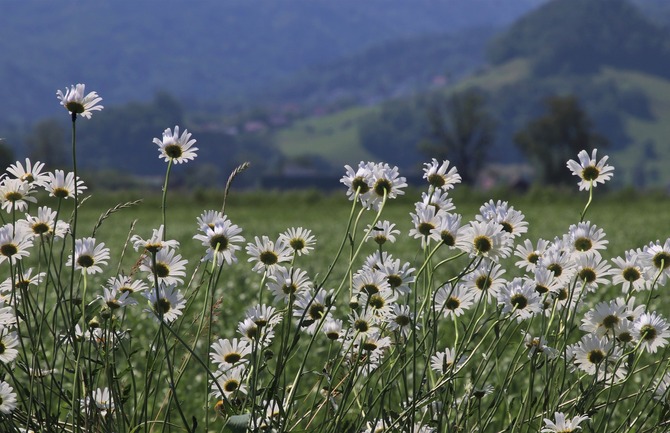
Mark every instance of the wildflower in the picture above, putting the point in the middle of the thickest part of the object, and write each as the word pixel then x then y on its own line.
pixel 155 243
pixel 7 398
pixel 604 318
pixel 401 319
pixel 597 356
pixel 370 281
pixel 333 329
pixel 263 316
pixel 586 238
pixel 165 265
pixel 288 284
pixel 380 303
pixel 530 254
pixel 399 276
pixel 228 353
pixel 374 342
pixel 115 299
pixel 363 323
pixel 437 175
pixel 299 240
pixel 8 342
pixel 31 173
pixel 538 345
pixel 520 299
pixel 382 232
pixel 661 387
pixel 15 195
pixel 453 301
pixel 486 280
pixel 220 240
pixel 176 148
pixel 358 182
pixel 629 272
pixel 590 172
pixel 75 102
pixel 437 199
pixel 88 256
pixel 593 271
pixel 125 284
pixel 209 219
pixel 230 382
pixel 424 223
pixel 656 261
pixel 652 331
pixel 445 362
pixel 376 260
pixel 311 309
pixel 101 400
pixel 563 425
pixel 511 220
pixel 166 302
pixel 545 281
pixel 559 263
pixel 386 182
pixel 267 254
pixel 449 229
pixel 486 239
pixel 62 186
pixel 14 242
pixel 22 281
pixel 45 223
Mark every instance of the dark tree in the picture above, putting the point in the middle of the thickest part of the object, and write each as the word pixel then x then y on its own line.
pixel 48 143
pixel 462 131
pixel 549 141
pixel 6 155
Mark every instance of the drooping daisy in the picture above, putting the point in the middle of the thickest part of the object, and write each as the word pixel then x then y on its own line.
pixel 220 240
pixel 299 240
pixel 382 232
pixel 267 254
pixel 264 316
pixel 656 261
pixel 166 302
pixel 15 195
pixel 652 331
pixel 529 253
pixel 8 342
pixel 61 186
pixel 230 382
pixel 445 362
pixel 424 222
pixel 155 243
pixel 358 182
pixel 229 353
pixel 333 329
pixel 7 398
pixel 176 148
pixel 386 182
pixel 437 175
pixel 563 425
pixel 486 239
pixel 597 356
pixel 76 102
pixel 251 331
pixel 590 172
pixel 520 299
pixel 88 255
pixel 629 272
pixel 31 173
pixel 115 299
pixel 586 238
pixel 45 223
pixel 14 242
pixel 169 267
pixel 288 284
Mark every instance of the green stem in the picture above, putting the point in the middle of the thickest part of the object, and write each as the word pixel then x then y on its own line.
pixel 588 203
pixel 164 200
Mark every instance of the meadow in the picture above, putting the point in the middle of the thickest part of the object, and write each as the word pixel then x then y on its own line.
pixel 376 308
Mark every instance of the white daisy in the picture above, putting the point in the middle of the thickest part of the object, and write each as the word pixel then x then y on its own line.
pixel 288 284
pixel 563 425
pixel 382 232
pixel 445 362
pixel 398 275
pixel 299 240
pixel 585 238
pixel 520 299
pixel 333 329
pixel 439 199
pixel 386 182
pixel 7 398
pixel 486 280
pixel 15 195
pixel 592 271
pixel 437 175
pixel 267 254
pixel 14 242
pixel 76 102
pixel 629 272
pixel 604 318
pixel 529 254
pixel 9 340
pixel 370 281
pixel 230 382
pixel 88 255
pixel 166 302
pixel 31 173
pixel 590 172
pixel 220 240
pixel 101 400
pixel 209 218
pixel 62 186
pixel 597 356
pixel 312 309
pixel 424 222
pixel 229 353
pixel 486 239
pixel 358 182
pixel 169 267
pixel 176 148
pixel 453 301
pixel 449 229
pixel 155 243
pixel 656 261
pixel 652 331
pixel 45 223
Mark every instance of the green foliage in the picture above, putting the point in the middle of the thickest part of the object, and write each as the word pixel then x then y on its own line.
pixel 591 34
pixel 556 137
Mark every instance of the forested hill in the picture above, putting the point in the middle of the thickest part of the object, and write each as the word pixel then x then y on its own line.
pixel 205 49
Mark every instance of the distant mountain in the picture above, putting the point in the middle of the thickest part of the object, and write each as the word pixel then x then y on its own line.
pixel 213 50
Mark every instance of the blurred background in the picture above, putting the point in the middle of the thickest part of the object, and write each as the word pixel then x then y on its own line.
pixel 507 90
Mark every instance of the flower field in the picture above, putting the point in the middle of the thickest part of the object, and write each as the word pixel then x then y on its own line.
pixel 382 308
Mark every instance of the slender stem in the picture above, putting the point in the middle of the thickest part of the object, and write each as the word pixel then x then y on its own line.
pixel 164 200
pixel 588 203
